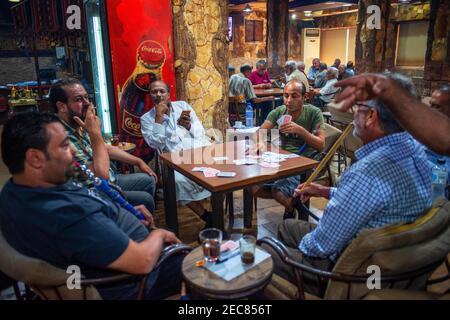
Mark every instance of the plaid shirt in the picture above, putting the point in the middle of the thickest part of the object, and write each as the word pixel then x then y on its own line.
pixel 389 184
pixel 81 145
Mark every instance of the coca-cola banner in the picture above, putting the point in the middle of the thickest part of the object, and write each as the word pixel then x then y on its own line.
pixel 140 35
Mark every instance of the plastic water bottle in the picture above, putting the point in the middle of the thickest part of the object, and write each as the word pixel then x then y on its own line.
pixel 439 179
pixel 249 115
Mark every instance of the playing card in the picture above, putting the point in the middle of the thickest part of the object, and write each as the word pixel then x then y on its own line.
pixel 198 169
pixel 269 165
pixel 284 119
pixel 217 159
pixel 210 172
pixel 287 119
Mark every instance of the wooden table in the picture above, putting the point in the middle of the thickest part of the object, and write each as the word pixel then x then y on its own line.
pixel 205 284
pixel 246 176
pixel 276 92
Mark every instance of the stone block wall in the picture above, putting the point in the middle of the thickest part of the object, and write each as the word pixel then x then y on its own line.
pixel 250 50
pixel 201 58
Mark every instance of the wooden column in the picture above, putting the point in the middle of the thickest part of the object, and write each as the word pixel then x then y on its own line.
pixel 201 58
pixel 437 62
pixel 277 35
pixel 371 43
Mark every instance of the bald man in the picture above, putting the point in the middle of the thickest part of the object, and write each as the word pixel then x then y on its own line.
pixel 303 135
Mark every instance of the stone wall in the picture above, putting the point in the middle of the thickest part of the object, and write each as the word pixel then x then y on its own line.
pixel 247 51
pixel 338 20
pixel 201 58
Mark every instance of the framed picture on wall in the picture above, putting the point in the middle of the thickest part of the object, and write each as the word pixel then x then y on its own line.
pixel 254 30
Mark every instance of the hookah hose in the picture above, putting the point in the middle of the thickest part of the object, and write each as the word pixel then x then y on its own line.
pixel 103 186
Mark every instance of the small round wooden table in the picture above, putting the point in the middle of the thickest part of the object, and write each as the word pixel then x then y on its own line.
pixel 205 284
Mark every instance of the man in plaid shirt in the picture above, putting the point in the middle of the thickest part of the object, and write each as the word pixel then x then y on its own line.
pixel 390 183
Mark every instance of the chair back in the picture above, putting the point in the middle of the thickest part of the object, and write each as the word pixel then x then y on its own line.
pixel 341 120
pixel 331 136
pixel 46 280
pixel 236 109
pixel 416 248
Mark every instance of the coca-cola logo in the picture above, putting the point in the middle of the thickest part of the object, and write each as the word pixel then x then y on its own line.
pixel 131 124
pixel 151 54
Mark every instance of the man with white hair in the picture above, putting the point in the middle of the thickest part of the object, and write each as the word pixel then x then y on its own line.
pixel 294 74
pixel 301 67
pixel 390 183
pixel 323 96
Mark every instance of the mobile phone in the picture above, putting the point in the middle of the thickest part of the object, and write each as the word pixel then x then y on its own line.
pixel 226 174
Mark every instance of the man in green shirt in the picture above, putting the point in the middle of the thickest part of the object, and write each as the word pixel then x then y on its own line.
pixel 302 135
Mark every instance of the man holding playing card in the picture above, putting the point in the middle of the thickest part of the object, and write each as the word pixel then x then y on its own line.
pixel 174 126
pixel 301 132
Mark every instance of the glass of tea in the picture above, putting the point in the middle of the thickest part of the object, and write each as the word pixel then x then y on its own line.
pixel 211 240
pixel 115 140
pixel 247 246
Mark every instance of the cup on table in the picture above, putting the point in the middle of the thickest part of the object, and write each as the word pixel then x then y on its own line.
pixel 211 240
pixel 115 140
pixel 238 124
pixel 247 246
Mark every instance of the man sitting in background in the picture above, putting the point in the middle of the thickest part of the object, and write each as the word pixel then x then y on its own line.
pixel 321 78
pixel 260 77
pixel 337 63
pixel 314 69
pixel 324 95
pixel 45 216
pixel 350 68
pixel 293 74
pixel 303 135
pixel 344 73
pixel 240 85
pixel 390 183
pixel 70 100
pixel 301 67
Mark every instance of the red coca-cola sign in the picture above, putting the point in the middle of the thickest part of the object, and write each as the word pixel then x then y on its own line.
pixel 151 54
pixel 132 124
pixel 140 36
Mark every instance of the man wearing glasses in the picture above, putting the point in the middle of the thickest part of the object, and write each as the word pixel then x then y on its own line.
pixel 390 183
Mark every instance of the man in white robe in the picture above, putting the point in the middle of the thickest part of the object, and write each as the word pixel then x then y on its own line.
pixel 174 126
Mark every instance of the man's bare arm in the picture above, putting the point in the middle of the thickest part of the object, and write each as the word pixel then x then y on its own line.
pixel 140 258
pixel 426 125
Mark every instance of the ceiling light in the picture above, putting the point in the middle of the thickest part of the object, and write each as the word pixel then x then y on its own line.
pixel 308 13
pixel 294 16
pixel 247 9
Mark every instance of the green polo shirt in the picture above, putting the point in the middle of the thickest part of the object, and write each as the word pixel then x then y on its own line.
pixel 311 118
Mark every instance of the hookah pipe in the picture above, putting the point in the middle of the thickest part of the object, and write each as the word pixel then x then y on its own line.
pixel 103 186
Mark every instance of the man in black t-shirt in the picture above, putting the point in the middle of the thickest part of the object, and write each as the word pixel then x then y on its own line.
pixel 43 215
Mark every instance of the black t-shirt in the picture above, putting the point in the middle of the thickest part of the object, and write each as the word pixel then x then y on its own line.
pixel 67 225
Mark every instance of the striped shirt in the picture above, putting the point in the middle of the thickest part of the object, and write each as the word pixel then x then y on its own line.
pixel 81 145
pixel 390 183
pixel 239 85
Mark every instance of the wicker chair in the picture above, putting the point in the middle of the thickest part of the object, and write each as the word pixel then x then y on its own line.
pixel 50 283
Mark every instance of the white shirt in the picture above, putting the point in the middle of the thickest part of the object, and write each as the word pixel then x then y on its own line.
pixel 328 91
pixel 169 136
